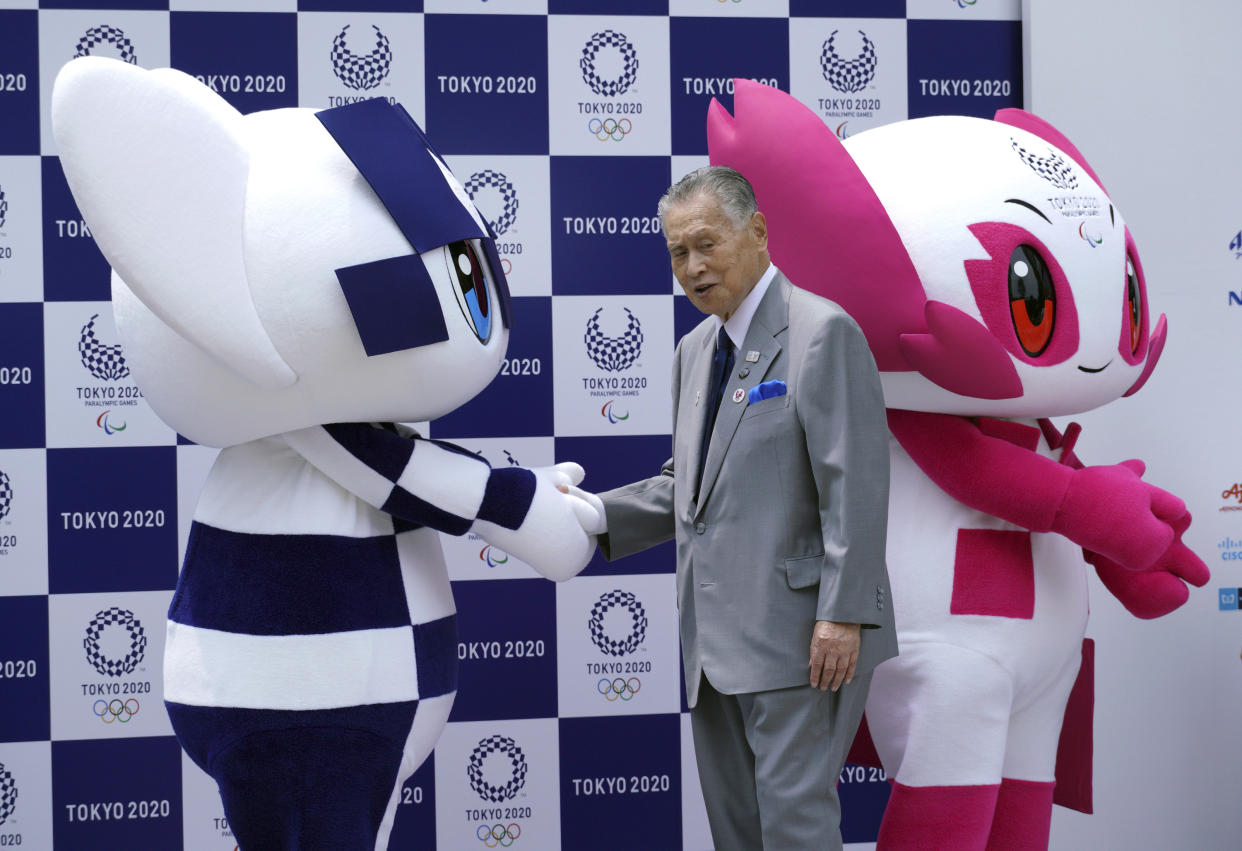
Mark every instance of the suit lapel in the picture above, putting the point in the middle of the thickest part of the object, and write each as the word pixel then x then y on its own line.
pixel 771 318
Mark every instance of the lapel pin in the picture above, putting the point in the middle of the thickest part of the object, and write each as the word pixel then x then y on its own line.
pixel 739 394
pixel 752 356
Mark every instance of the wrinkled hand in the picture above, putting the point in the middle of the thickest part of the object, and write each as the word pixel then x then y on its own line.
pixel 1109 510
pixel 1159 589
pixel 834 654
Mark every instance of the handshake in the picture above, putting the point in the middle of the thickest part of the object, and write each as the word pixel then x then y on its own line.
pixel 557 535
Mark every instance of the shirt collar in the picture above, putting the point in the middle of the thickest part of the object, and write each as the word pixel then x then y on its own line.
pixel 739 322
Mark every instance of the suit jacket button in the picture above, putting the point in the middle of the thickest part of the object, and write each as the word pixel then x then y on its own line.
pixel 700 527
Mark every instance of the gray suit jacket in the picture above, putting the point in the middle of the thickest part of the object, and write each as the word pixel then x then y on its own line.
pixel 789 525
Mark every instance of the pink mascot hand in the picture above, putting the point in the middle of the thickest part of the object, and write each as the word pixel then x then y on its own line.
pixel 1109 510
pixel 1159 589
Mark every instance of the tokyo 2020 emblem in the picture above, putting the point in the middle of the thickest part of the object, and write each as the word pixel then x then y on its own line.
pixel 101 360
pixel 609 86
pixel 364 71
pixel 638 629
pixel 613 354
pixel 1052 168
pixel 508 198
pixel 105 34
pixel 505 747
pixel 848 75
pixel 122 619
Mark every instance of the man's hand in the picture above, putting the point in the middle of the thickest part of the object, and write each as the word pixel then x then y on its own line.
pixel 834 653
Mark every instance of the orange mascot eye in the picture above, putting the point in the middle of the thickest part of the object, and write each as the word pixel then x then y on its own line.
pixel 1032 299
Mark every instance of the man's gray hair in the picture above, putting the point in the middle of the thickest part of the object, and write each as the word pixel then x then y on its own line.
pixel 734 192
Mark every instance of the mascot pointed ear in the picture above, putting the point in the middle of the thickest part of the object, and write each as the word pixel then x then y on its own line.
pixel 158 166
pixel 827 229
pixel 1033 124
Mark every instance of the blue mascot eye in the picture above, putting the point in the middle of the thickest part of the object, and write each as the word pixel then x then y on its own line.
pixel 472 290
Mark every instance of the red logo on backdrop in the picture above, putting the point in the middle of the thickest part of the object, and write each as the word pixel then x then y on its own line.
pixel 1232 493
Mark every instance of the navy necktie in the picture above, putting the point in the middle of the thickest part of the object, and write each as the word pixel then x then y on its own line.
pixel 722 365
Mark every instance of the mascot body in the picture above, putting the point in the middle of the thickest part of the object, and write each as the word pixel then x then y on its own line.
pixel 289 285
pixel 998 286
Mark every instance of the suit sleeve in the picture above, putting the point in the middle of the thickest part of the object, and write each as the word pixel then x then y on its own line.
pixel 841 408
pixel 640 515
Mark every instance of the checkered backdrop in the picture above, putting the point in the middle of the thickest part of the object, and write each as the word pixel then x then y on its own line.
pixel 565 120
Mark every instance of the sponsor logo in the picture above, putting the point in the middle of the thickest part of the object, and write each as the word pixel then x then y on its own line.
pixel 1230 549
pixel 848 76
pixel 613 85
pixel 1229 599
pixel 629 642
pixel 115 666
pixel 96 36
pixel 8 794
pixel 506 750
pixel 1235 244
pixel 103 361
pixel 1233 492
pixel 361 72
pixel 1053 168
pixel 501 223
pixel 613 354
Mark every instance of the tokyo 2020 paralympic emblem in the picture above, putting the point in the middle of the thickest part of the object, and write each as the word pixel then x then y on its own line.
pixel 508 197
pixel 105 34
pixel 1052 168
pixel 125 620
pixel 848 75
pixel 361 72
pixel 4 206
pixel 517 774
pixel 638 614
pixel 102 361
pixel 609 87
pixel 6 494
pixel 613 354
pixel 8 794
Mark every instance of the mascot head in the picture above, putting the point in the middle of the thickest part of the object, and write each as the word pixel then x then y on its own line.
pixel 989 269
pixel 280 269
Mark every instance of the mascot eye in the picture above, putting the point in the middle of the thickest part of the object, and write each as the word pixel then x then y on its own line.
pixel 1032 300
pixel 1134 296
pixel 472 290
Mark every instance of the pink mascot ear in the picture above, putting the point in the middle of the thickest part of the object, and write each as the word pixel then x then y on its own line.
pixel 1035 125
pixel 827 229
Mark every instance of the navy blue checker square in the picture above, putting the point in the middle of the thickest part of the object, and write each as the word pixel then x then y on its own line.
pixel 491 98
pixel 21 395
pixel 19 82
pixel 963 67
pixel 360 5
pixel 623 772
pixel 147 5
pixel 606 237
pixel 518 402
pixel 259 70
pixel 608 7
pixel 848 8
pixel 506 649
pixel 706 54
pixel 88 776
pixel 112 519
pixel 24 655
pixel 73 267
pixel 609 463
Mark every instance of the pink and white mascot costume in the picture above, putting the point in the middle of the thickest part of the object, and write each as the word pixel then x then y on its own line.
pixel 998 286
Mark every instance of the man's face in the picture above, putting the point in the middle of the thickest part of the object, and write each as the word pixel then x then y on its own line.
pixel 716 262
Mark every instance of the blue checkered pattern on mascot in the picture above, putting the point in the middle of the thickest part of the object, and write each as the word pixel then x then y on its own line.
pixel 290 285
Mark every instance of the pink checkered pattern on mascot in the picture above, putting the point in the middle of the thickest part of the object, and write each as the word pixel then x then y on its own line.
pixel 998 286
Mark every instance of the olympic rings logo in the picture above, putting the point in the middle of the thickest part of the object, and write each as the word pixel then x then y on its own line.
pixel 610 128
pixel 498 834
pixel 115 710
pixel 619 688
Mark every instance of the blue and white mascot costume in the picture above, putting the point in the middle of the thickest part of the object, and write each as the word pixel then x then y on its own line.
pixel 288 285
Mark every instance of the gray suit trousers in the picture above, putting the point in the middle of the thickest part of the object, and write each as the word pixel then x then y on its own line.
pixel 769 762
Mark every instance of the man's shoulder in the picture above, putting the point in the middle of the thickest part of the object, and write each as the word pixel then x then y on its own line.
pixel 806 306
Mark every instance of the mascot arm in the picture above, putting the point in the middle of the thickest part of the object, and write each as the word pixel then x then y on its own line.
pixel 442 486
pixel 1106 509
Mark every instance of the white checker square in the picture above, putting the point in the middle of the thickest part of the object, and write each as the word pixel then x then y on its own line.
pixel 21 229
pixel 23 522
pixel 26 786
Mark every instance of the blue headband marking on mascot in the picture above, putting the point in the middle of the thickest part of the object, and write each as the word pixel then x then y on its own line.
pixel 393 155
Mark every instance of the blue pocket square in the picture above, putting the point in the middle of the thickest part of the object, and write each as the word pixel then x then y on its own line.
pixel 766 390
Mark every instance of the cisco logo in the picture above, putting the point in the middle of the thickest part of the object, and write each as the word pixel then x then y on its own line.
pixel 109 662
pixel 482 180
pixel 848 75
pixel 102 361
pixel 613 354
pixel 106 35
pixel 361 72
pixel 629 642
pixel 610 85
pixel 505 749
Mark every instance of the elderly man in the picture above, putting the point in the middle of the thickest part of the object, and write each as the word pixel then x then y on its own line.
pixel 777 495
